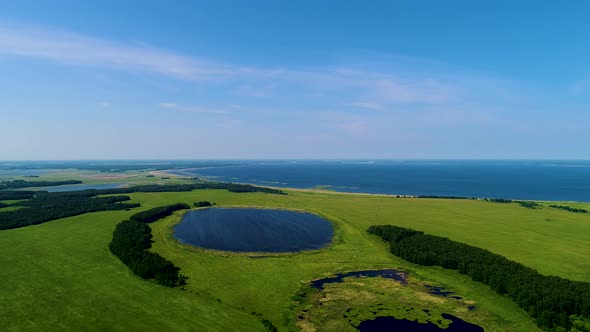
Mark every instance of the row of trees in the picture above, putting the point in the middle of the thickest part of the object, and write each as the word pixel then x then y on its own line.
pixel 555 303
pixel 526 204
pixel 43 206
pixel 499 200
pixel 529 205
pixel 203 204
pixel 154 214
pixel 133 237
pixel 46 206
pixel 445 197
pixel 569 208
pixel 233 187
pixel 17 184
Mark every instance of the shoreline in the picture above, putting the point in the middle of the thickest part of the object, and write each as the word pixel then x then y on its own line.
pixel 327 191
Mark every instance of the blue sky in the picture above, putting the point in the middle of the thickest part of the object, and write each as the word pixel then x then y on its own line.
pixel 297 79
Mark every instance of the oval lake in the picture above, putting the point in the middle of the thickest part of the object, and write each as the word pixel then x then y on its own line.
pixel 253 230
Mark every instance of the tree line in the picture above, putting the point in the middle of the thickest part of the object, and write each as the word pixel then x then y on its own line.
pixel 203 204
pixel 569 208
pixel 232 187
pixel 46 206
pixel 445 197
pixel 17 184
pixel 7 195
pixel 499 200
pixel 154 214
pixel 525 204
pixel 556 304
pixel 43 206
pixel 133 237
pixel 529 205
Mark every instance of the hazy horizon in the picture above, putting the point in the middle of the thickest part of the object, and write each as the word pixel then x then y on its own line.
pixel 5 162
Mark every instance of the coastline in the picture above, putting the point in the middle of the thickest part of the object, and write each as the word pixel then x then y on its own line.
pixel 337 192
pixel 315 190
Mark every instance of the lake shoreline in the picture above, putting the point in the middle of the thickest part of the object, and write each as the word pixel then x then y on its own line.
pixel 327 191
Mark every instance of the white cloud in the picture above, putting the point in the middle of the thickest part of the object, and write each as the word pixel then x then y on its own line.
pixel 367 105
pixel 191 109
pixel 353 127
pixel 76 49
pixel 71 48
pixel 168 105
pixel 253 90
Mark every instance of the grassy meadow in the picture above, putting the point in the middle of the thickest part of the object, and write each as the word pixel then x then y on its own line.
pixel 61 275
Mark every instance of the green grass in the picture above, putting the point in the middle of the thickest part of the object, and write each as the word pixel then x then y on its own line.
pixel 360 299
pixel 131 178
pixel 12 201
pixel 10 208
pixel 61 274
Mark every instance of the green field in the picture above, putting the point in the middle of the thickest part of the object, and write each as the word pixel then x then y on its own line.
pixel 61 275
pixel 94 177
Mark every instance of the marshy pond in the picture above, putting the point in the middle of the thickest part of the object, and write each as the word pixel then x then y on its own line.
pixel 388 323
pixel 387 274
pixel 253 230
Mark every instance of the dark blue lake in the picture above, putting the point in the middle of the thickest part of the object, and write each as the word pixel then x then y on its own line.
pixel 253 230
pixel 540 180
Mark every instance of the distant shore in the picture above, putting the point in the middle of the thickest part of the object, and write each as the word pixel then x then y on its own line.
pixel 327 191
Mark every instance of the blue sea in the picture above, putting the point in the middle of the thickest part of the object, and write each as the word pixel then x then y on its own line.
pixel 535 180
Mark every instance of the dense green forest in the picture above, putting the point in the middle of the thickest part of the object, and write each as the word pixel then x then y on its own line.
pixel 133 237
pixel 6 195
pixel 557 304
pixel 46 206
pixel 43 206
pixel 17 184
pixel 203 204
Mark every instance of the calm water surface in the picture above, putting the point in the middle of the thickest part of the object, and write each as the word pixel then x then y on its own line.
pixel 381 324
pixel 539 180
pixel 253 230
